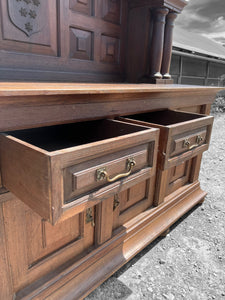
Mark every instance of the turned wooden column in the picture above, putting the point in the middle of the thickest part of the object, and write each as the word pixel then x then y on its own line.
pixel 167 49
pixel 157 42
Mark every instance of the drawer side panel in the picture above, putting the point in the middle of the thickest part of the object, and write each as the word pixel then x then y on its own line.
pixel 25 172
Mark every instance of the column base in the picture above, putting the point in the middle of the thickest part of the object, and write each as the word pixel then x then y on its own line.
pixel 154 80
pixel 161 81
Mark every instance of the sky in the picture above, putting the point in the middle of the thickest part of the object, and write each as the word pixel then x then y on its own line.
pixel 206 17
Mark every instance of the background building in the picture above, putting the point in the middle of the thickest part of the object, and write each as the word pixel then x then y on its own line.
pixel 197 60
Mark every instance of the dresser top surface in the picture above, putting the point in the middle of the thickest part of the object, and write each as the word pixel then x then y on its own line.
pixel 57 88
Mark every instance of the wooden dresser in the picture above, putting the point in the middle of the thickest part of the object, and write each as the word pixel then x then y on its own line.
pixel 91 173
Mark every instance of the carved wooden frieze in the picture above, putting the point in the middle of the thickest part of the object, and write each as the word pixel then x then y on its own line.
pixel 28 15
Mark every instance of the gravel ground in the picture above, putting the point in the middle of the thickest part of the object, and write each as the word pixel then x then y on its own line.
pixel 189 263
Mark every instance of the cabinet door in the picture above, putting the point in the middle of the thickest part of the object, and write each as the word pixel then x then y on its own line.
pixel 115 211
pixel 133 201
pixel 35 247
pixel 62 40
pixel 176 179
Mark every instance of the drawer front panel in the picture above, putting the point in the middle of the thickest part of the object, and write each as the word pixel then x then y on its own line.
pixel 188 141
pixel 82 178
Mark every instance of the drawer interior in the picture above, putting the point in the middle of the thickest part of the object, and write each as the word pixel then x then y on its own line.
pixel 165 117
pixel 58 137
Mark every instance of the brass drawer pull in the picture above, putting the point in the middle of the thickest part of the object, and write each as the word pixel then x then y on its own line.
pixel 102 174
pixel 187 144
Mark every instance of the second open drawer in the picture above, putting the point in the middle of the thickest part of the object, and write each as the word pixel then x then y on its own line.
pixel 61 170
pixel 182 135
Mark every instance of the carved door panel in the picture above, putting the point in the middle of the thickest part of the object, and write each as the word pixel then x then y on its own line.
pixel 114 212
pixel 178 176
pixel 132 202
pixel 35 247
pixel 29 26
pixel 92 37
pixel 57 39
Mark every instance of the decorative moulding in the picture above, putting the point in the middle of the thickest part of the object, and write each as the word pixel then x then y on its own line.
pixel 175 5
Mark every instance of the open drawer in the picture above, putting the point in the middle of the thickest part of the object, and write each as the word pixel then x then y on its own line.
pixel 182 135
pixel 61 170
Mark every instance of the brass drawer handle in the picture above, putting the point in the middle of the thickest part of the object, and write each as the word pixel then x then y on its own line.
pixel 102 174
pixel 187 144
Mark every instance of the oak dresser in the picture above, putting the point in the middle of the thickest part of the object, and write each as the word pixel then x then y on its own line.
pixel 99 152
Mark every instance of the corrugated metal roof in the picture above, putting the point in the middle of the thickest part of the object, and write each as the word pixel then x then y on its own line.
pixel 197 43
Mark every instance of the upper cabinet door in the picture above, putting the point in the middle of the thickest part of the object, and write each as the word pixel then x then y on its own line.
pixel 29 26
pixel 63 40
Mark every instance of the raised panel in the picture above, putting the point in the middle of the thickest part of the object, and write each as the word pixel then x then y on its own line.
pixel 29 15
pixel 177 172
pixel 29 26
pixel 178 176
pixel 131 202
pixel 111 11
pixel 134 194
pixel 110 49
pixel 82 6
pixel 81 44
pixel 37 248
pixel 44 239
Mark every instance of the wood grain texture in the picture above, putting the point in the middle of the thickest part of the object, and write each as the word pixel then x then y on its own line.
pixel 104 101
pixel 21 164
pixel 59 88
pixel 104 220
pixel 2 189
pixel 196 168
pixel 6 290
